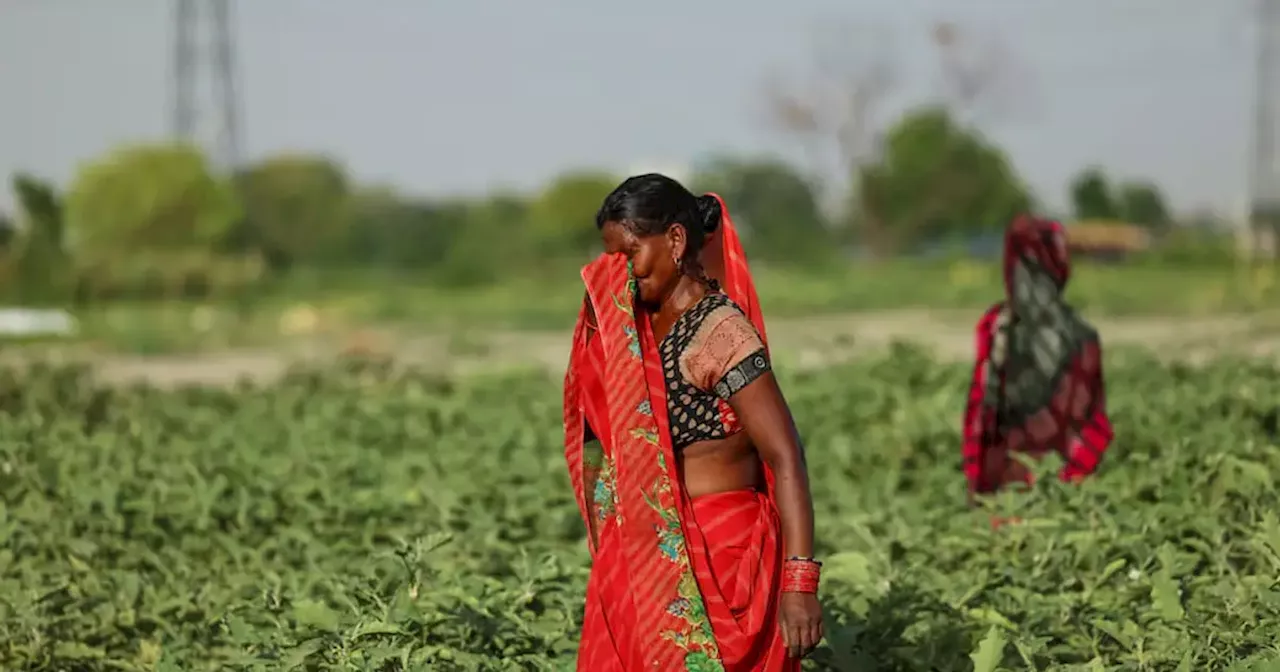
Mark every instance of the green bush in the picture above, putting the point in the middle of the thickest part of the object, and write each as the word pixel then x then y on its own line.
pixel 168 277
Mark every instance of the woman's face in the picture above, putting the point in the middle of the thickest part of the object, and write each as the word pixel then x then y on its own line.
pixel 653 258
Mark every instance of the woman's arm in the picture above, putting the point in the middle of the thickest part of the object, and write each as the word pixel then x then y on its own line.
pixel 735 364
pixel 767 420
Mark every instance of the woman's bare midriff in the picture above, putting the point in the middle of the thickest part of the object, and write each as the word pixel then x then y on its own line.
pixel 720 465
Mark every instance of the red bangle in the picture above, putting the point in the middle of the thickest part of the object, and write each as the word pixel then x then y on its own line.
pixel 801 575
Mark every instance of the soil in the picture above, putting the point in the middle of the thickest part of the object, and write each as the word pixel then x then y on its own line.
pixel 804 343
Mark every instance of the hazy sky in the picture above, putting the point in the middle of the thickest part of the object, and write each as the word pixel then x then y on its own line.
pixel 439 96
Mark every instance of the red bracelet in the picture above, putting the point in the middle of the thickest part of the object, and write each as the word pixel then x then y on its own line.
pixel 800 575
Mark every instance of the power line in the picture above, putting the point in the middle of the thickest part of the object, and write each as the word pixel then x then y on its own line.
pixel 206 104
pixel 1264 171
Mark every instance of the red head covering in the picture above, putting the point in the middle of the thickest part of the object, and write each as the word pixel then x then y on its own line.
pixel 1041 241
pixel 725 247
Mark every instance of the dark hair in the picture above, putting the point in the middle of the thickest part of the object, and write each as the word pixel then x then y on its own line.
pixel 650 204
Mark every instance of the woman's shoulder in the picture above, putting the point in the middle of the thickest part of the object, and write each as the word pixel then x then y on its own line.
pixel 717 311
pixel 724 331
pixel 734 353
pixel 1084 328
pixel 990 316
pixel 722 339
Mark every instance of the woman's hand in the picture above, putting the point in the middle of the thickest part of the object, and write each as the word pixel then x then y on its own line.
pixel 800 619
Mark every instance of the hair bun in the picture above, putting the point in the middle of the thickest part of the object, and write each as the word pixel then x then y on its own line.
pixel 710 212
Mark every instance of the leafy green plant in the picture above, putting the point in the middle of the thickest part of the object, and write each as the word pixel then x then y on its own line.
pixel 357 517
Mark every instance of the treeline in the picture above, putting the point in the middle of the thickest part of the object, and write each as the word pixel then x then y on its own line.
pixel 156 222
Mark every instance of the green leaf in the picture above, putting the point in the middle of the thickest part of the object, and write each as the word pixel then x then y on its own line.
pixel 77 651
pixel 990 651
pixel 850 567
pixel 298 655
pixel 316 615
pixel 375 628
pixel 1166 594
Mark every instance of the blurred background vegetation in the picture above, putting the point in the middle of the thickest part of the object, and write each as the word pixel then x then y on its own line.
pixel 153 250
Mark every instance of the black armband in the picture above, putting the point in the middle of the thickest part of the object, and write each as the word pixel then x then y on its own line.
pixel 743 374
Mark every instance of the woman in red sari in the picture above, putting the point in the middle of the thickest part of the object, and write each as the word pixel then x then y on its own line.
pixel 682 451
pixel 1037 385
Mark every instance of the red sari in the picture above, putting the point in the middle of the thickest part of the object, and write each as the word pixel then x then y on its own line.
pixel 1037 383
pixel 676 584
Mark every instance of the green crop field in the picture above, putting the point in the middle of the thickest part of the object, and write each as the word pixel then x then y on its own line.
pixel 360 518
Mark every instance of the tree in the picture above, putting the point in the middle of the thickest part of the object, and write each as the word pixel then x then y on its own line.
pixel 148 197
pixel 1091 196
pixel 389 230
pixel 834 109
pixel 773 204
pixel 8 233
pixel 562 218
pixel 1143 203
pixel 936 180
pixel 978 73
pixel 41 262
pixel 42 210
pixel 296 207
pixel 492 241
pixel 837 107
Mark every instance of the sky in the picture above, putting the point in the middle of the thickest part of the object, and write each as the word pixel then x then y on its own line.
pixel 441 97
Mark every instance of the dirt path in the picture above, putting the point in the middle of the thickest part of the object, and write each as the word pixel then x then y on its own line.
pixel 807 343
